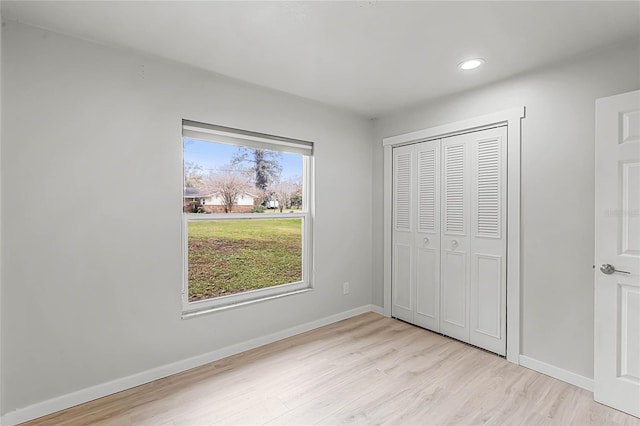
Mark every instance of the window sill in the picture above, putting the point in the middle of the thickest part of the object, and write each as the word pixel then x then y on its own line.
pixel 208 310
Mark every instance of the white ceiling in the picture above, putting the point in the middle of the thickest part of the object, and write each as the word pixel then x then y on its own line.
pixel 370 57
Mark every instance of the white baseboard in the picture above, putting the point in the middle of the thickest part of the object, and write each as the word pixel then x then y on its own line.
pixel 557 373
pixel 89 394
pixel 377 309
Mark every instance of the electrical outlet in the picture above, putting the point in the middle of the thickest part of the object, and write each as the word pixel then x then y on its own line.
pixel 345 288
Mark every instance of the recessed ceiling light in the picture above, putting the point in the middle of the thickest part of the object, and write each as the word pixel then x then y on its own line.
pixel 471 64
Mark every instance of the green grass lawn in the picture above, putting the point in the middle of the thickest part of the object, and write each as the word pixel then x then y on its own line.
pixel 232 256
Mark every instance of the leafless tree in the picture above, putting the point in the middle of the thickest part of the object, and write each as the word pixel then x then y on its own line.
pixel 260 196
pixel 296 195
pixel 193 175
pixel 228 185
pixel 283 193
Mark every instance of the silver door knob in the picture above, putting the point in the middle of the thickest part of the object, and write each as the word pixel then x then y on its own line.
pixel 610 269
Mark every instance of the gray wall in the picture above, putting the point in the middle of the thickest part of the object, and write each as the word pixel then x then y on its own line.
pixel 1 375
pixel 557 191
pixel 91 220
pixel 91 192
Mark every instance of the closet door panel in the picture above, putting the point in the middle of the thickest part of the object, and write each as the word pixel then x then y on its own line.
pixel 486 300
pixel 455 186
pixel 488 240
pixel 487 202
pixel 402 304
pixel 428 289
pixel 402 300
pixel 428 188
pixel 454 295
pixel 455 237
pixel 427 237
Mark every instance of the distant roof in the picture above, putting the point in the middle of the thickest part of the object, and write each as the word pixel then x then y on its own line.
pixel 190 192
pixel 195 193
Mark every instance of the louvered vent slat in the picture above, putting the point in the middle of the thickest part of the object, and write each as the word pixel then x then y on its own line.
pixel 426 191
pixel 454 189
pixel 488 188
pixel 403 191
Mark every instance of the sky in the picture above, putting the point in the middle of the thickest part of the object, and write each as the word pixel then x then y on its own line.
pixel 214 156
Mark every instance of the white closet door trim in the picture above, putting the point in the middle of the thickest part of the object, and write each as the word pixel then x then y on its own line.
pixel 464 126
pixel 511 118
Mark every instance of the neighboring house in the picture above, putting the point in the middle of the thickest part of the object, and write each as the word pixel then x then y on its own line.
pixel 212 203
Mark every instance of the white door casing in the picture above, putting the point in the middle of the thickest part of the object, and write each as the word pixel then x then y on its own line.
pixel 617 243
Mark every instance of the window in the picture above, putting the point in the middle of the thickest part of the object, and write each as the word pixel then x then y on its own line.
pixel 247 225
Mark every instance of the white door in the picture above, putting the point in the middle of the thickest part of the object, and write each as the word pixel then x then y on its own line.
pixel 402 253
pixel 456 180
pixel 449 237
pixel 473 300
pixel 427 236
pixel 416 234
pixel 617 253
pixel 488 241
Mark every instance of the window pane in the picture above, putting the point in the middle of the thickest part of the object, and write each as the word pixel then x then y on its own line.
pixel 222 178
pixel 233 256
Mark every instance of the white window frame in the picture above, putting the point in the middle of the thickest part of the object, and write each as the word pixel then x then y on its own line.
pixel 230 136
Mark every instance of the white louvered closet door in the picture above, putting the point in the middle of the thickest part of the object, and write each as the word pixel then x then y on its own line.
pixel 488 270
pixel 454 320
pixel 416 234
pixel 474 238
pixel 402 252
pixel 449 237
pixel 427 236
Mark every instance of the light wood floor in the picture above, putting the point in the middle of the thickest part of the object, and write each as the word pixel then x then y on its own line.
pixel 365 370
